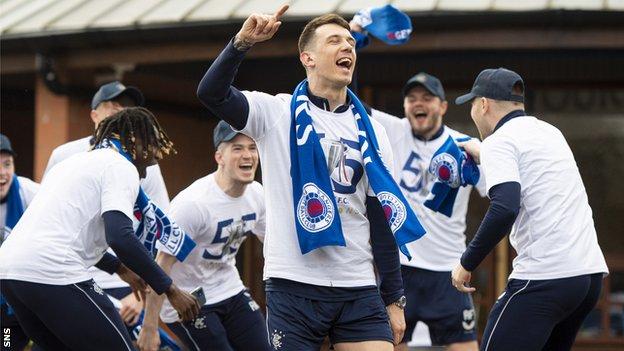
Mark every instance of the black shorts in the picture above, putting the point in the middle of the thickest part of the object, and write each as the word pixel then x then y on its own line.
pixel 432 299
pixel 300 323
pixel 534 315
pixel 67 317
pixel 235 323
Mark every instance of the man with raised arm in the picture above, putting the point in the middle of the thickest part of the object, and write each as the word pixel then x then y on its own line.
pixel 332 205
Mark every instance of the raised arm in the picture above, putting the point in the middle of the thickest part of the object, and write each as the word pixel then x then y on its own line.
pixel 215 90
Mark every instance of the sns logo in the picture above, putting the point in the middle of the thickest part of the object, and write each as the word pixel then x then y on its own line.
pixel 315 210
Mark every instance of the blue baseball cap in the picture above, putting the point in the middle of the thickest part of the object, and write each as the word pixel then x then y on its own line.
pixel 496 84
pixel 5 145
pixel 387 23
pixel 427 81
pixel 223 132
pixel 114 89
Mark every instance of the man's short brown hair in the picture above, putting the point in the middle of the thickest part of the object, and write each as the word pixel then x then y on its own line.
pixel 310 28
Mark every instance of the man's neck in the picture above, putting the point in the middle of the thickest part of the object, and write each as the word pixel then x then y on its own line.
pixel 432 134
pixel 336 96
pixel 228 185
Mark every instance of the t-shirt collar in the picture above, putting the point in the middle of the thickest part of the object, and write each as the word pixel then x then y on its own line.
pixel 511 115
pixel 323 103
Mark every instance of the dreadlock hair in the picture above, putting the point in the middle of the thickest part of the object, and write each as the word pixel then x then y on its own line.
pixel 134 123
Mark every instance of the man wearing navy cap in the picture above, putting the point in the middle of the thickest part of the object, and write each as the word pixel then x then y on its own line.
pixel 449 314
pixel 219 211
pixel 109 99
pixel 535 186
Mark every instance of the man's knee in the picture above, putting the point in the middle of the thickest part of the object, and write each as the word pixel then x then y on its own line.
pixel 463 346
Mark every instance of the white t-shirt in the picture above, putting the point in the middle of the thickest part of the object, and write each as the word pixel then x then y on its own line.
pixel 441 248
pixel 351 266
pixel 554 232
pixel 153 184
pixel 61 234
pixel 219 224
pixel 28 189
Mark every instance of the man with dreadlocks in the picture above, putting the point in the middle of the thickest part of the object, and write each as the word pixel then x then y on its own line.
pixel 85 205
pixel 109 99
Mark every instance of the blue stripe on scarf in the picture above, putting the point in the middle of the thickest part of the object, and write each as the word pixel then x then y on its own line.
pixel 318 222
pixel 15 210
pixel 452 168
pixel 154 225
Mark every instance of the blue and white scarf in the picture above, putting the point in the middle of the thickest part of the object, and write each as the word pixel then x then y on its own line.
pixel 15 207
pixel 15 210
pixel 317 219
pixel 154 225
pixel 386 23
pixel 452 168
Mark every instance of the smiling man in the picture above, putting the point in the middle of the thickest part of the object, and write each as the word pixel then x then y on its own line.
pixel 219 211
pixel 332 204
pixel 448 313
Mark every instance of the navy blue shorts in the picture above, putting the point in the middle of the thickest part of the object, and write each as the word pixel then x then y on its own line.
pixel 67 317
pixel 536 315
pixel 432 299
pixel 235 323
pixel 300 323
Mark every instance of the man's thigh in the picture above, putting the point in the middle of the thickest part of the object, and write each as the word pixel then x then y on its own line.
pixel 206 332
pixel 81 315
pixel 245 324
pixel 362 320
pixel 524 317
pixel 296 323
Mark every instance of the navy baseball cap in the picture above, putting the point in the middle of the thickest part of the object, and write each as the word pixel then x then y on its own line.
pixel 5 145
pixel 114 89
pixel 427 81
pixel 223 132
pixel 494 84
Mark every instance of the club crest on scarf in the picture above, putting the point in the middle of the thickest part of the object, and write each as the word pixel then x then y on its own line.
pixel 444 166
pixel 315 210
pixel 393 209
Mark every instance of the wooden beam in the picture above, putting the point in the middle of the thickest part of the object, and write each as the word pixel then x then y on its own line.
pixel 469 39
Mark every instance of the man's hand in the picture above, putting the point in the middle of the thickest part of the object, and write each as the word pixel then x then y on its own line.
pixel 130 309
pixel 186 304
pixel 137 284
pixel 473 148
pixel 460 279
pixel 396 316
pixel 149 339
pixel 258 28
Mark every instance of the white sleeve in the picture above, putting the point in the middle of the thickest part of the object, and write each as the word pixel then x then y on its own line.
pixel 260 228
pixel 392 124
pixel 119 188
pixel 28 189
pixel 499 161
pixel 480 186
pixel 189 217
pixel 265 111
pixel 155 188
pixel 53 160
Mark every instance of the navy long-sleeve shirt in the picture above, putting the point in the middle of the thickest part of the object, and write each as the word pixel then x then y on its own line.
pixel 120 237
pixel 498 220
pixel 216 92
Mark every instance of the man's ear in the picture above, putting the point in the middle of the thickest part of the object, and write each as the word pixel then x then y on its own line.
pixel 307 59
